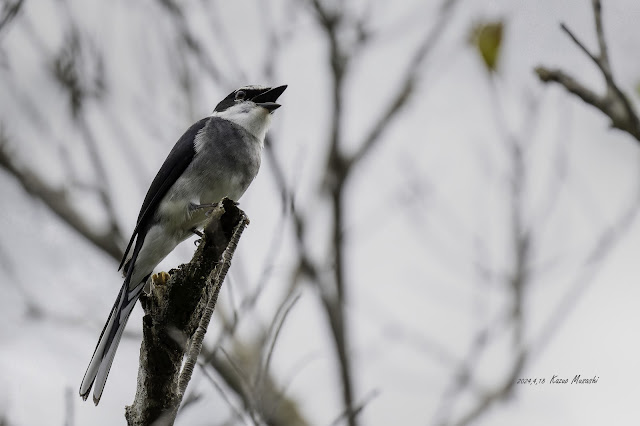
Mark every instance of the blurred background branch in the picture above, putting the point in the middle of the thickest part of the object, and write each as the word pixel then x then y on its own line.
pixel 424 226
pixel 614 103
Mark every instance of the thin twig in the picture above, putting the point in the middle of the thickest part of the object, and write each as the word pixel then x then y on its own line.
pixel 221 391
pixel 354 411
pixel 604 244
pixel 409 82
pixel 240 373
pixel 582 47
pixel 281 316
pixel 499 394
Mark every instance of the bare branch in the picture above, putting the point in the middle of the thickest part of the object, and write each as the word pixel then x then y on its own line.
pixel 57 201
pixel 516 280
pixel 464 377
pixel 500 393
pixel 275 408
pixel 608 239
pixel 190 42
pixel 354 411
pixel 573 86
pixel 332 295
pixel 221 391
pixel 281 316
pixel 102 177
pixel 332 21
pixel 409 81
pixel 614 103
pixel 9 11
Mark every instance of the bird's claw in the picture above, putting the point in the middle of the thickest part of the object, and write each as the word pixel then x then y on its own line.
pixel 199 234
pixel 161 278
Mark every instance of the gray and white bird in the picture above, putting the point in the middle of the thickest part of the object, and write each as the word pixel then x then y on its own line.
pixel 217 157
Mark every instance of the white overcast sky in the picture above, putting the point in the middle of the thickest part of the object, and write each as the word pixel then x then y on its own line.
pixel 409 267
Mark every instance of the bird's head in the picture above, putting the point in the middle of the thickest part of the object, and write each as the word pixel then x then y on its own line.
pixel 250 107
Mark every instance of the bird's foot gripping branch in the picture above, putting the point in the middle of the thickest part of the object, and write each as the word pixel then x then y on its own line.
pixel 177 315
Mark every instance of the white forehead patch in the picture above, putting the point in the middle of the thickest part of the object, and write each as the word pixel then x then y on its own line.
pixel 253 87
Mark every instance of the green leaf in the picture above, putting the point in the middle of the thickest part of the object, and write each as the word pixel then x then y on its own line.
pixel 486 38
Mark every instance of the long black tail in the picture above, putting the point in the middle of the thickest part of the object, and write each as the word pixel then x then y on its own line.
pixel 102 358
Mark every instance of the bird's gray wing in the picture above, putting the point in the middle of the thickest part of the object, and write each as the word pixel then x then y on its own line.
pixel 177 161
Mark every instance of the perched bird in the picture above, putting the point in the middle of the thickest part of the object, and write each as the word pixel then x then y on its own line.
pixel 217 157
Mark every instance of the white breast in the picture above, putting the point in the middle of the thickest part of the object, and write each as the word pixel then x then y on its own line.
pixel 256 120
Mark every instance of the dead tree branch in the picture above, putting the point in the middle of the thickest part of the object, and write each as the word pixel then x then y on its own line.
pixel 614 103
pixel 176 317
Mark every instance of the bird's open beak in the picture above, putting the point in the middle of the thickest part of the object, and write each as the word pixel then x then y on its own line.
pixel 268 98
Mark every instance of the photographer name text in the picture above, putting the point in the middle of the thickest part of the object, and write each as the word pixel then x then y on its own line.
pixel 557 380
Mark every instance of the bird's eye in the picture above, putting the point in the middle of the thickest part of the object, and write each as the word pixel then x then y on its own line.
pixel 240 95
